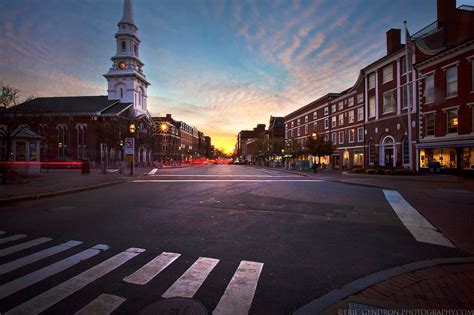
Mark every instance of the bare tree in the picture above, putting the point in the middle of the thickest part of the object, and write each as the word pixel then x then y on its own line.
pixel 10 97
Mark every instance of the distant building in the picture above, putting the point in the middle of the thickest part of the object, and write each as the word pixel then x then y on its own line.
pixel 244 135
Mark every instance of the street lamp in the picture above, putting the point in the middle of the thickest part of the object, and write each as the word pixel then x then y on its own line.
pixel 132 128
pixel 164 127
pixel 314 134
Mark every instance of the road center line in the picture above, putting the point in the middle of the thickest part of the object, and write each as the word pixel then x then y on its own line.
pixel 20 283
pixel 419 227
pixel 20 262
pixel 188 284
pixel 54 295
pixel 22 246
pixel 222 180
pixel 239 293
pixel 146 273
pixel 103 304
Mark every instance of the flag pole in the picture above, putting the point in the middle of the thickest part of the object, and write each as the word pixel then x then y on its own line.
pixel 409 99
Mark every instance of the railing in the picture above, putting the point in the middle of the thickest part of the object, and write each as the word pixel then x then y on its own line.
pixel 466 7
pixel 430 29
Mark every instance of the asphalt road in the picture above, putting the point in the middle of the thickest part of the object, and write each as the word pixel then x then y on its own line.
pixel 310 235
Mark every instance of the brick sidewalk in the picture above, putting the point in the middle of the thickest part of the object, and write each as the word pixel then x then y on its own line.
pixel 439 287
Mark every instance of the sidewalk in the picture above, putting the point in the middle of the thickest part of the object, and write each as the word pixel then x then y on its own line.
pixel 57 182
pixel 438 284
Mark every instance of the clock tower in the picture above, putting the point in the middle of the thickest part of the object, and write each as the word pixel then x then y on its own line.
pixel 126 80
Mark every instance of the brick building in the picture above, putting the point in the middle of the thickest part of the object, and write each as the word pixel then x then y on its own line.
pixel 245 135
pixel 445 60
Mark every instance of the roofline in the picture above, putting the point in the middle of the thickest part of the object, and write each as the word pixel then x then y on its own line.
pixel 312 103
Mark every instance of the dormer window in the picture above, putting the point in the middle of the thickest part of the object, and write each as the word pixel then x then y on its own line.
pixel 124 46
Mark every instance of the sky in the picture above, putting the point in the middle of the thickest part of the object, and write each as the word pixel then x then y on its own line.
pixel 221 66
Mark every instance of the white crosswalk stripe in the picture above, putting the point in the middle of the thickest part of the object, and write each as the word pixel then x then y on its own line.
pixel 20 283
pixel 103 304
pixel 153 171
pixel 239 293
pixel 20 262
pixel 22 246
pixel 237 298
pixel 54 295
pixel 188 284
pixel 12 238
pixel 152 269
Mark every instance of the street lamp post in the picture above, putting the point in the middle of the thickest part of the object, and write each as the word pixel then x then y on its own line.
pixel 132 128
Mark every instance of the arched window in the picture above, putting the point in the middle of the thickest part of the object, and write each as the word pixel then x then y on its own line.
pixel 121 93
pixel 124 46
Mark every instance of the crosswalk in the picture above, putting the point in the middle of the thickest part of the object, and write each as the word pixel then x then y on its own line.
pixel 236 299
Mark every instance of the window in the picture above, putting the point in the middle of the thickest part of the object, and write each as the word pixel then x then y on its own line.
pixel 430 124
pixel 360 98
pixel 333 108
pixel 351 135
pixel 292 124
pixel 315 125
pixel 472 75
pixel 325 111
pixel 452 117
pixel 333 137
pixel 371 81
pixel 340 105
pixel 306 129
pixel 341 137
pixel 360 134
pixel 350 102
pixel 286 126
pixel 298 123
pixel 326 137
pixel 326 123
pixel 360 113
pixel 403 62
pixel 351 116
pixel 388 102
pixel 306 118
pixel 81 141
pixel 298 131
pixel 452 81
pixel 429 89
pixel 315 115
pixel 124 46
pixel 333 121
pixel 387 74
pixel 371 153
pixel 341 119
pixel 135 49
pixel 121 93
pixel 405 151
pixel 372 106
pixel 407 96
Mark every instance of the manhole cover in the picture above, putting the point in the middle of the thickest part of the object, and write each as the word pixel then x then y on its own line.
pixel 175 306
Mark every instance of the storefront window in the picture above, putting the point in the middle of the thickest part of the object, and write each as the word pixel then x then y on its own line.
pixel 358 158
pixel 445 156
pixel 468 158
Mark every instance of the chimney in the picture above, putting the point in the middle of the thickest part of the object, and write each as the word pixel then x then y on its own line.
pixel 446 11
pixel 168 116
pixel 393 40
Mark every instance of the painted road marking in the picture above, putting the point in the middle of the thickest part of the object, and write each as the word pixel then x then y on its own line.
pixel 188 284
pixel 153 171
pixel 146 273
pixel 103 304
pixel 12 238
pixel 223 175
pixel 22 246
pixel 20 283
pixel 20 262
pixel 47 299
pixel 239 293
pixel 418 226
pixel 223 180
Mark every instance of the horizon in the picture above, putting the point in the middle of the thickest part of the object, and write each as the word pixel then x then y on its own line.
pixel 209 63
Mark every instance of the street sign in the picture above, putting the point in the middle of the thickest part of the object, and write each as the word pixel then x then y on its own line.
pixel 129 146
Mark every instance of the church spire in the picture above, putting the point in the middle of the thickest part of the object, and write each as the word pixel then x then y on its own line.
pixel 127 12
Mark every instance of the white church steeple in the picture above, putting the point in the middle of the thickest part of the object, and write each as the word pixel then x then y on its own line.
pixel 126 80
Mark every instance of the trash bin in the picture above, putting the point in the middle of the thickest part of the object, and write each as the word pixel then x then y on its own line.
pixel 434 167
pixel 85 169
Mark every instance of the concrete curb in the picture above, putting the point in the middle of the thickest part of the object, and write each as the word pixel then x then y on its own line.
pixel 59 192
pixel 419 178
pixel 358 184
pixel 317 306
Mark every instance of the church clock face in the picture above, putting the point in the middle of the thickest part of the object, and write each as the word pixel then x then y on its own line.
pixel 122 65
